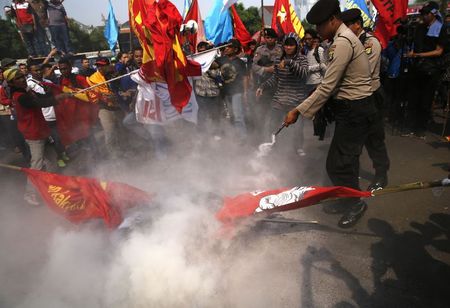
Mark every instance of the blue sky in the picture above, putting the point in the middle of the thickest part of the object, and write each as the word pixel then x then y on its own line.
pixel 88 11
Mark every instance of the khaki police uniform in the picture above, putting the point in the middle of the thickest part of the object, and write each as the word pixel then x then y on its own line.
pixel 375 145
pixel 348 83
pixel 268 55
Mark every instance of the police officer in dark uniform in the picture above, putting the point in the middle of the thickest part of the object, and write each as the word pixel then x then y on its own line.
pixel 375 145
pixel 347 81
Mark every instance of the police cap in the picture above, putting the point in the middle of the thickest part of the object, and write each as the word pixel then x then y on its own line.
pixel 322 11
pixel 269 32
pixel 351 15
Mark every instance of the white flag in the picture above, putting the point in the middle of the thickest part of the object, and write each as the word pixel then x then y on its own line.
pixel 153 105
pixel 205 58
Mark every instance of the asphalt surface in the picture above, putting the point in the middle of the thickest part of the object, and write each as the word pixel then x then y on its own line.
pixel 398 255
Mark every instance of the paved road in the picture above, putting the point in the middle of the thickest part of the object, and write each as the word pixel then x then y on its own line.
pixel 397 256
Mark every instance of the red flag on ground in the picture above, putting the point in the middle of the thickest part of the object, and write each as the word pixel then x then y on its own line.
pixel 389 12
pixel 79 199
pixel 240 32
pixel 157 26
pixel 285 20
pixel 279 200
pixel 194 14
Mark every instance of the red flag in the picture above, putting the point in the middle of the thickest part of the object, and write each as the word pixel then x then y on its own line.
pixel 285 20
pixel 240 32
pixel 194 14
pixel 157 25
pixel 279 200
pixel 79 199
pixel 75 117
pixel 389 12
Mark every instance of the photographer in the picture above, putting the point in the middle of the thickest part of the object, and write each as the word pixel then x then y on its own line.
pixel 427 48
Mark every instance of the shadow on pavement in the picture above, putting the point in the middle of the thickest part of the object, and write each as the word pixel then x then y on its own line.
pixel 405 274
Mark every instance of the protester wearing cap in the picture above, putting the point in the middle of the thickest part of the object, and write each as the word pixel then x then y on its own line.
pixel 347 81
pixel 31 123
pixel 375 144
pixel 110 114
pixel 235 83
pixel 430 38
pixel 262 69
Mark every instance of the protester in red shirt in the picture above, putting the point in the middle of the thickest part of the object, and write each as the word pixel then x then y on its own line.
pixel 31 122
pixel 26 24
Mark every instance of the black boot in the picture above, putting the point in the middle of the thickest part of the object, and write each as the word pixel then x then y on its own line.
pixel 379 182
pixel 352 216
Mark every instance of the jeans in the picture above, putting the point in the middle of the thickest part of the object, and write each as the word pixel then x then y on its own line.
pixel 209 114
pixel 29 40
pixel 41 41
pixel 59 147
pixel 155 133
pixel 60 38
pixel 236 106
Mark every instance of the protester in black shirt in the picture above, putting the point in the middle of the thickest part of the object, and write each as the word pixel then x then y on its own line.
pixel 429 42
pixel 234 74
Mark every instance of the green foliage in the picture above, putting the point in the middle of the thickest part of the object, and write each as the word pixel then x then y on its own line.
pixel 251 17
pixel 11 45
pixel 82 41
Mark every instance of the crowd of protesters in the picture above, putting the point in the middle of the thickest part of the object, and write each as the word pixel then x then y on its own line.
pixel 252 87
pixel 41 24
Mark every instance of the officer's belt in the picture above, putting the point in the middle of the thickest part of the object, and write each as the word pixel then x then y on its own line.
pixel 338 102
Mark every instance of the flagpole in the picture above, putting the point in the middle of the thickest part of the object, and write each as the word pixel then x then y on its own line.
pixel 262 14
pixel 10 167
pixel 135 71
pixel 105 82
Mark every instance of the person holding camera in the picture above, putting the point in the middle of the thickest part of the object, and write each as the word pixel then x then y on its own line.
pixel 427 48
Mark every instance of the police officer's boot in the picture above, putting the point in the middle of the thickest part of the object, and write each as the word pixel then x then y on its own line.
pixel 353 214
pixel 379 181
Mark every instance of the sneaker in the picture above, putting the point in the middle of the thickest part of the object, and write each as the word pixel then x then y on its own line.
pixel 65 157
pixel 61 163
pixel 31 199
pixel 301 152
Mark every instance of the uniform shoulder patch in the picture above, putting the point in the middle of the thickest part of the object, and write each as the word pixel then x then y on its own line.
pixel 331 52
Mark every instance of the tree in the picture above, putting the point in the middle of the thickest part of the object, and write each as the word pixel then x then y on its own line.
pixel 11 45
pixel 250 17
pixel 83 41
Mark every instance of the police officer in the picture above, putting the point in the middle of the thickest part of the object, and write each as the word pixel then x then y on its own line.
pixel 347 81
pixel 262 69
pixel 375 145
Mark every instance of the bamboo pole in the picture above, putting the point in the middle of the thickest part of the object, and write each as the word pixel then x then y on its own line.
pixel 10 167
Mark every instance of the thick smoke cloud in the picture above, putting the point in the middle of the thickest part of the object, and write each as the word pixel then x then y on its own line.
pixel 172 256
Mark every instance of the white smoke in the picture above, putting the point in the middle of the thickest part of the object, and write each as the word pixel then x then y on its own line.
pixel 173 257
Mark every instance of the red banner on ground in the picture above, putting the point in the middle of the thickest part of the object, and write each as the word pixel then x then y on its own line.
pixel 79 199
pixel 279 200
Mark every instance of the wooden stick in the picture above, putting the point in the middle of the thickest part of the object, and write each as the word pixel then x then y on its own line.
pixel 10 167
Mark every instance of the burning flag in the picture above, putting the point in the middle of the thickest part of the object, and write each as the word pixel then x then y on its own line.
pixel 279 200
pixel 157 26
pixel 79 199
